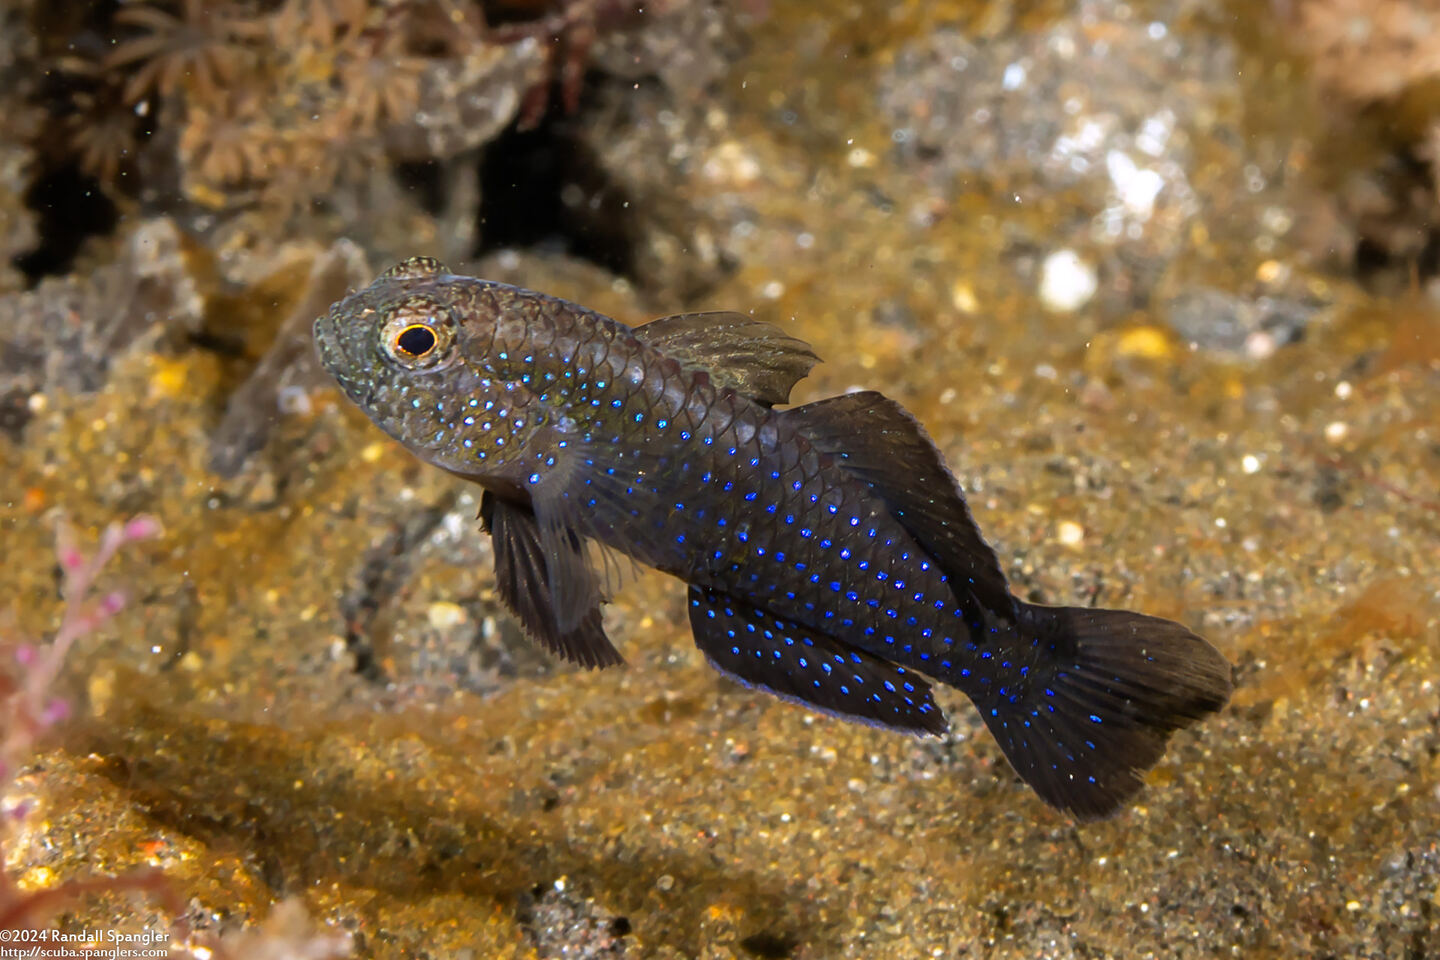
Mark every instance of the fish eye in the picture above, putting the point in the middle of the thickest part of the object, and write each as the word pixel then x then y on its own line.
pixel 415 341
pixel 418 336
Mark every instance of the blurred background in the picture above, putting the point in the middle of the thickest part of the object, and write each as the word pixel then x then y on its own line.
pixel 1160 278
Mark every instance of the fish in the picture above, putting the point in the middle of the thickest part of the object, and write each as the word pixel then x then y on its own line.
pixel 828 552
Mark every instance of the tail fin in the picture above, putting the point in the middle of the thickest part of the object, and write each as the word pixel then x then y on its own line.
pixel 1099 708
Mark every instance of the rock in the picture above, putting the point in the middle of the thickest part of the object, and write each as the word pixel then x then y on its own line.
pixel 63 335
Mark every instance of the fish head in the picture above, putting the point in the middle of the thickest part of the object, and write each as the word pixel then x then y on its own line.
pixel 421 351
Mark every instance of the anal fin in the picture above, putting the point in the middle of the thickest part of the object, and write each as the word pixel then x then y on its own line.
pixel 816 671
pixel 523 581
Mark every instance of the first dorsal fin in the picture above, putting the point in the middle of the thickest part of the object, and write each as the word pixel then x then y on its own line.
pixel 415 268
pixel 881 444
pixel 754 358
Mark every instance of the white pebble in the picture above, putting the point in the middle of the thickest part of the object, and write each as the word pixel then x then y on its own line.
pixel 1136 186
pixel 443 615
pixel 860 158
pixel 1260 345
pixel 1066 282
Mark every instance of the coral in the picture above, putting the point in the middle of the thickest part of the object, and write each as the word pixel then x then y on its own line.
pixel 228 147
pixel 27 705
pixel 102 135
pixel 275 106
pixel 30 707
pixel 383 81
pixel 318 22
pixel 567 32
pixel 204 45
pixel 264 117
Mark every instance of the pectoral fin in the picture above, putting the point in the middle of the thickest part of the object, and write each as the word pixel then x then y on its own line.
pixel 523 577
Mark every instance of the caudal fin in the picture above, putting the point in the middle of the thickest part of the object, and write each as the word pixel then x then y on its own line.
pixel 1097 712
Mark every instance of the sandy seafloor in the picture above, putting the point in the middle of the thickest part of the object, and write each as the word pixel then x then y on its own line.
pixel 1231 432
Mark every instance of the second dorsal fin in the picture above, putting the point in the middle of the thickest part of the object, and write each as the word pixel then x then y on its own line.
pixel 883 445
pixel 754 358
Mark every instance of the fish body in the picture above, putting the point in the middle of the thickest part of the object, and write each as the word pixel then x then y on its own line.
pixel 829 553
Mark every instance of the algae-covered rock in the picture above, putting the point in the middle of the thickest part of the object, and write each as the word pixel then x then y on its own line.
pixel 313 708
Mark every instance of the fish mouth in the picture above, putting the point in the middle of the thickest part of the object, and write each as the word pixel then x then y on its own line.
pixel 326 335
pixel 334 357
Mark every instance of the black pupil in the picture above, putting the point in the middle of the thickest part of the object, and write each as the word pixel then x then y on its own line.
pixel 416 341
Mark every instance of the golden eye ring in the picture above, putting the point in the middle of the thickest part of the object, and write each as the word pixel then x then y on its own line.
pixel 414 342
pixel 420 337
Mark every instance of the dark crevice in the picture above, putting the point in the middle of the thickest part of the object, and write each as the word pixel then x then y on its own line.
pixel 15 414
pixel 1398 242
pixel 1370 258
pixel 506 12
pixel 425 182
pixel 770 946
pixel 72 208
pixel 545 189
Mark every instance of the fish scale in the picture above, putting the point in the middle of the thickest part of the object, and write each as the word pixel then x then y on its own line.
pixel 876 593
pixel 830 556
